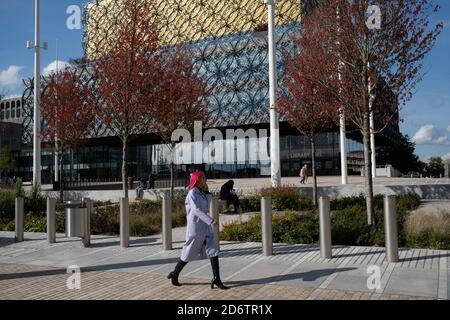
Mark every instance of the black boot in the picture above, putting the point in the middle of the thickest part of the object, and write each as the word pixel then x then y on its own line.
pixel 216 281
pixel 175 273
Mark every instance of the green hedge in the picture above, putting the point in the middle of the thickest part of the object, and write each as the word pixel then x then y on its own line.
pixel 283 198
pixel 288 198
pixel 145 219
pixel 35 203
pixel 286 228
pixel 349 226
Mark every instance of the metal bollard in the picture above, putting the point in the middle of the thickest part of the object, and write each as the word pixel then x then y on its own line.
pixel 18 226
pixel 124 222
pixel 167 222
pixel 51 220
pixel 214 210
pixel 390 229
pixel 87 222
pixel 325 228
pixel 266 215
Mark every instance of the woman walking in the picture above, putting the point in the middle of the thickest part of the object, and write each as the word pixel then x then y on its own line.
pixel 200 238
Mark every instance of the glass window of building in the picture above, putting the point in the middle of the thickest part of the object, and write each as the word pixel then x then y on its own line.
pixel 2 111
pixel 13 109
pixel 18 113
pixel 7 111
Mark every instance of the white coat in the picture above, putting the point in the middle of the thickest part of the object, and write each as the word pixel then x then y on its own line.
pixel 200 237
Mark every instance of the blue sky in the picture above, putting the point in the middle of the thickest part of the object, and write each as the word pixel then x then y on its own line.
pixel 426 117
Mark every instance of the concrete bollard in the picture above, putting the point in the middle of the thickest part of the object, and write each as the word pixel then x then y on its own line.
pixel 124 222
pixel 167 222
pixel 390 229
pixel 51 220
pixel 266 215
pixel 214 210
pixel 325 228
pixel 18 226
pixel 87 222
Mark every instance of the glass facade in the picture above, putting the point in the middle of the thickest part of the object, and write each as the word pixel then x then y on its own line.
pixel 103 163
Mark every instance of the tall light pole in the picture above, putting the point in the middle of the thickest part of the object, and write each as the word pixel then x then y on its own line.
pixel 37 84
pixel 372 145
pixel 343 146
pixel 274 117
pixel 56 160
pixel 342 129
pixel 372 126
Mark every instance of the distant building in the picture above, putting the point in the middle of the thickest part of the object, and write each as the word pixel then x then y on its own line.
pixel 11 118
pixel 12 110
pixel 228 42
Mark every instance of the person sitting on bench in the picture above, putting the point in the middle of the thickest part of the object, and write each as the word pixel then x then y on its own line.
pixel 227 194
pixel 142 183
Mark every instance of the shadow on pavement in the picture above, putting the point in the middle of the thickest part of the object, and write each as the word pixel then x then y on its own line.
pixel 103 267
pixel 309 276
pixel 6 241
pixel 140 242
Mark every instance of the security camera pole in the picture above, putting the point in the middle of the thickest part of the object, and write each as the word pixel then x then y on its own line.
pixel 37 112
pixel 274 117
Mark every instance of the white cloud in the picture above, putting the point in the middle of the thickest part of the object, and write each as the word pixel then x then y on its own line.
pixel 446 157
pixel 51 68
pixel 428 134
pixel 448 128
pixel 10 78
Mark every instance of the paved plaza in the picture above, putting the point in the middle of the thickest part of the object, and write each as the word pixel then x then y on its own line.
pixel 35 269
pixel 330 186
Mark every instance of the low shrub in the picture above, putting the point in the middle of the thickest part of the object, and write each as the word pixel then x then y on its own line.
pixel 286 228
pixel 360 200
pixel 288 198
pixel 408 202
pixel 296 228
pixel 425 230
pixel 7 204
pixel 349 226
pixel 250 204
pixel 35 223
pixel 145 218
pixel 247 231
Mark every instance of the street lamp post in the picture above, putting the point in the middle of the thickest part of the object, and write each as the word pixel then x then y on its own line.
pixel 274 117
pixel 37 112
pixel 372 145
pixel 343 146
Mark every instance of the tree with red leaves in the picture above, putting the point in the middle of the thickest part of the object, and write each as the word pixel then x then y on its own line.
pixel 378 59
pixel 67 112
pixel 181 97
pixel 304 103
pixel 127 75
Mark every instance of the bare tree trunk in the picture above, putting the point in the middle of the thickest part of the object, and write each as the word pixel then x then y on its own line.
pixel 125 167
pixel 368 170
pixel 313 168
pixel 61 176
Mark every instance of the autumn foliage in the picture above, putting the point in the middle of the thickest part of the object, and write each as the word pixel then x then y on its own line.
pixel 66 109
pixel 370 68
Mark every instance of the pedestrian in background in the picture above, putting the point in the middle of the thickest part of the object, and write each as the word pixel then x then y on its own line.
pixel 304 174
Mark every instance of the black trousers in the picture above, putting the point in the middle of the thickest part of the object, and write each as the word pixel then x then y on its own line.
pixel 233 199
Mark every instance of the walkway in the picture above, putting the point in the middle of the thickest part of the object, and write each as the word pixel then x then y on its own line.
pixel 36 270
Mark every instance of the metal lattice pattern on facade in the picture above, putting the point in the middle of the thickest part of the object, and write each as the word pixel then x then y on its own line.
pixel 227 38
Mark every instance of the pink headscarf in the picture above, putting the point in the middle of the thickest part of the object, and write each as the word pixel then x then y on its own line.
pixel 195 176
